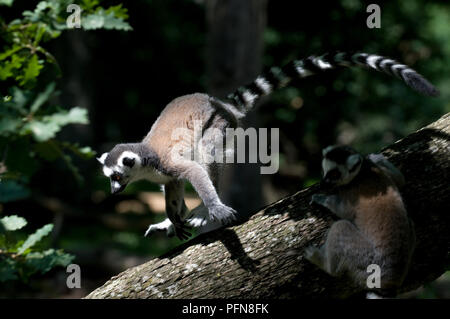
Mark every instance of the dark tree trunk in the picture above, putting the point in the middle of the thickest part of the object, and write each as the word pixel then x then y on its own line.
pixel 75 87
pixel 263 258
pixel 235 49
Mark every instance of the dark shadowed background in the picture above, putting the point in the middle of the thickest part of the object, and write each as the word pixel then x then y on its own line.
pixel 176 47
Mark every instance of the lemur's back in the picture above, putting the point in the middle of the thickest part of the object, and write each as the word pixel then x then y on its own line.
pixel 178 114
pixel 377 202
pixel 381 216
pixel 178 120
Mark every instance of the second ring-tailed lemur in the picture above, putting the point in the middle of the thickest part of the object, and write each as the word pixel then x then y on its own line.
pixel 374 228
pixel 153 159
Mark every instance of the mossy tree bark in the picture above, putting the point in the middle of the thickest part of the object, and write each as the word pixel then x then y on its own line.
pixel 263 258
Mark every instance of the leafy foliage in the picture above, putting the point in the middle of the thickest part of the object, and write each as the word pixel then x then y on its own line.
pixel 13 222
pixel 27 118
pixel 107 19
pixel 19 259
pixel 34 238
pixel 30 121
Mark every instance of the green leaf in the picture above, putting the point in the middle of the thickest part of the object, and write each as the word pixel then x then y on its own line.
pixel 42 97
pixel 19 99
pixel 39 34
pixel 112 22
pixel 13 222
pixel 106 20
pixel 44 261
pixel 118 11
pixel 42 131
pixel 6 2
pixel 7 269
pixel 47 127
pixel 92 22
pixel 10 52
pixel 11 191
pixel 34 238
pixel 90 4
pixel 31 71
pixel 86 152
pixel 76 115
pixel 9 124
pixel 7 68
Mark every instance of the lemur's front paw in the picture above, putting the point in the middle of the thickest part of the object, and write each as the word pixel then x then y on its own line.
pixel 197 221
pixel 318 199
pixel 222 213
pixel 199 217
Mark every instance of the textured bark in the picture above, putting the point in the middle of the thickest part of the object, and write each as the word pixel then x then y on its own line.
pixel 263 258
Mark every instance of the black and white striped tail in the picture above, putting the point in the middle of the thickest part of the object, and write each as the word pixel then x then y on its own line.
pixel 246 96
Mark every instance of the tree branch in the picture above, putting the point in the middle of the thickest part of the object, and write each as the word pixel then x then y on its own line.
pixel 263 258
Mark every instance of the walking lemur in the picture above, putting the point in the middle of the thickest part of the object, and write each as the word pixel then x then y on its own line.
pixel 153 159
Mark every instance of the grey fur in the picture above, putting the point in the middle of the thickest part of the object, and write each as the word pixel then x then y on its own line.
pixel 374 227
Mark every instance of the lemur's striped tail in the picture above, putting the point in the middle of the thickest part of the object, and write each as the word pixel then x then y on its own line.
pixel 246 96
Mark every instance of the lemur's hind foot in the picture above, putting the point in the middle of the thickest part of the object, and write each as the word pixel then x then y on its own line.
pixel 171 230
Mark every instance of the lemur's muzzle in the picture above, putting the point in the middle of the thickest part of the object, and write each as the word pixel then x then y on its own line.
pixel 116 190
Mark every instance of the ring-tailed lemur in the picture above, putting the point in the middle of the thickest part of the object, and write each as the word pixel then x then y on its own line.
pixel 152 158
pixel 374 228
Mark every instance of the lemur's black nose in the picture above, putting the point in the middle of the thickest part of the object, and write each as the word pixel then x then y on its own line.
pixel 327 182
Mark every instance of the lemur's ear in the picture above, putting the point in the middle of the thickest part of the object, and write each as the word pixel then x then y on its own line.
pixel 353 161
pixel 327 149
pixel 127 161
pixel 102 158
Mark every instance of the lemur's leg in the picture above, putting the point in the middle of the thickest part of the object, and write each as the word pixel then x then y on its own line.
pixel 393 172
pixel 334 204
pixel 176 211
pixel 176 208
pixel 199 216
pixel 346 251
pixel 200 180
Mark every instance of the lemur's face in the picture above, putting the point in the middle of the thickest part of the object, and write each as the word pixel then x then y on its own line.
pixel 120 167
pixel 340 164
